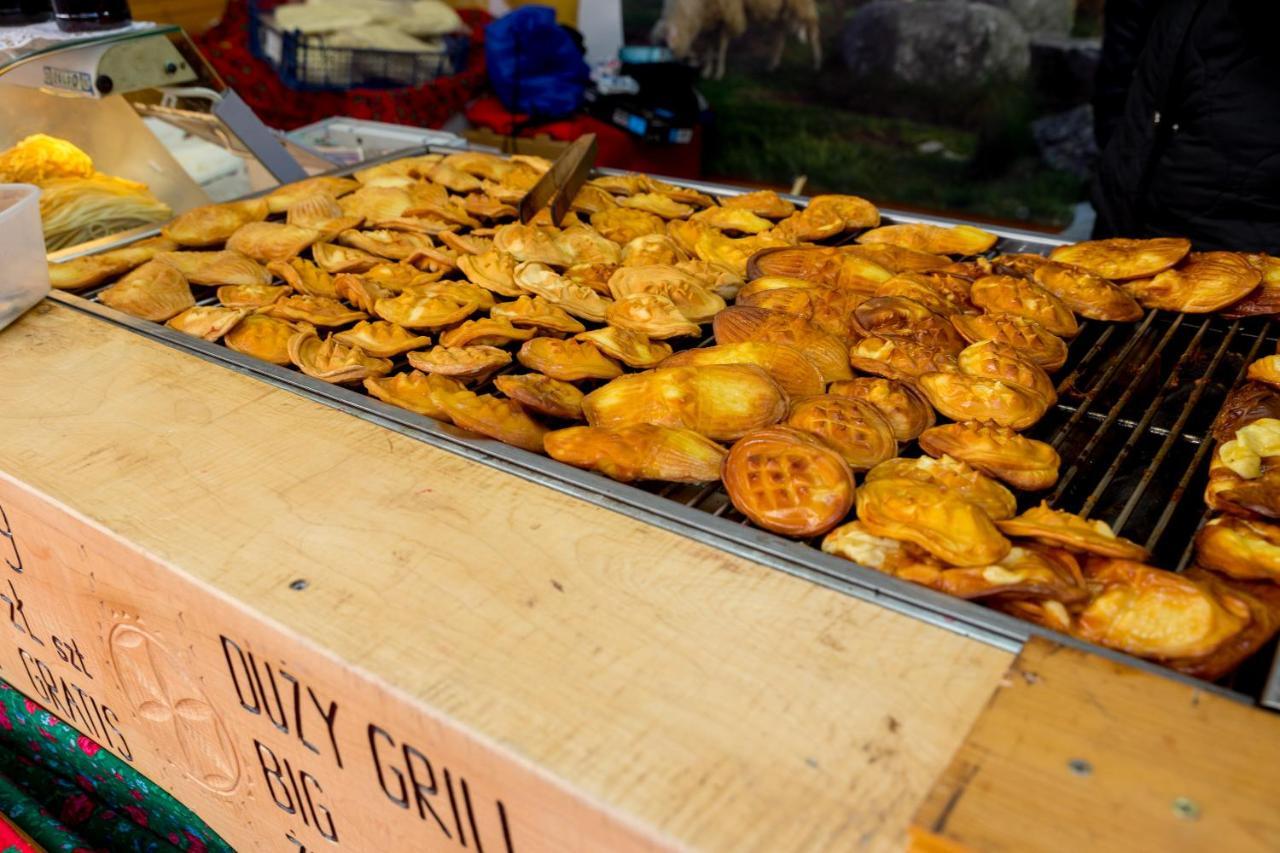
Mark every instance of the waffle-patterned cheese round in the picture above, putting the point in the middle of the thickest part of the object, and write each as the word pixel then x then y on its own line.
pixel 855 428
pixel 788 481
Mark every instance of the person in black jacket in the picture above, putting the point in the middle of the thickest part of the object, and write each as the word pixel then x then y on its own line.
pixel 1187 116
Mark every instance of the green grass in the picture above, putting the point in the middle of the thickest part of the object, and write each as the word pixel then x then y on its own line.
pixel 773 133
pixel 1088 23
pixel 774 126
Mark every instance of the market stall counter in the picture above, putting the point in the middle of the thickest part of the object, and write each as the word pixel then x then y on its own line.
pixel 363 640
pixel 321 617
pixel 309 626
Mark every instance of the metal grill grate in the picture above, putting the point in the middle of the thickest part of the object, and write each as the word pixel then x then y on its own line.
pixel 1131 424
pixel 1136 402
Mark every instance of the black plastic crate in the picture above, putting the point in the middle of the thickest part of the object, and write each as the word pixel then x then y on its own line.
pixel 304 63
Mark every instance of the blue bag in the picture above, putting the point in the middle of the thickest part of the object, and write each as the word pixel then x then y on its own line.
pixel 535 67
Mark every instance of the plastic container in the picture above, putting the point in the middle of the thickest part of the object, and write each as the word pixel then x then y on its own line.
pixel 24 276
pixel 645 54
pixel 19 13
pixel 79 16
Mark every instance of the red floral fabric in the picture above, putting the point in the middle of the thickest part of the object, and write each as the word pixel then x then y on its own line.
pixel 72 796
pixel 13 839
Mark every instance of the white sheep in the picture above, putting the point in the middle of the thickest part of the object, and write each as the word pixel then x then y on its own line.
pixel 704 28
pixel 701 29
pixel 787 16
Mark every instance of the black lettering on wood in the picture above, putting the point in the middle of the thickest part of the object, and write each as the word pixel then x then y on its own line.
pixel 71 702
pixel 97 713
pixel 506 829
pixel 75 712
pixel 329 718
pixel 283 723
pixel 51 687
pixel 418 774
pixel 273 776
pixel 453 804
pixel 12 559
pixel 114 722
pixel 471 812
pixel 227 646
pixel 69 652
pixel 297 710
pixel 420 789
pixel 297 794
pixel 327 828
pixel 375 734
pixel 77 658
pixel 17 612
pixel 37 684
pixel 259 678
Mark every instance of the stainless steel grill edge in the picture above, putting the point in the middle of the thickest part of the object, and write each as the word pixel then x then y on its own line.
pixel 1131 424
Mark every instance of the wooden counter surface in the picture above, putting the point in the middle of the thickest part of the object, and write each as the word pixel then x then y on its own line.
pixel 1077 752
pixel 597 682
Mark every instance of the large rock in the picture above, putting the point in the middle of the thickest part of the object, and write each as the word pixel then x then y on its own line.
pixel 1066 140
pixel 1040 17
pixel 945 47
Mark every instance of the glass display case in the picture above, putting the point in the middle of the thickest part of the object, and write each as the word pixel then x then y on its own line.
pixel 142 102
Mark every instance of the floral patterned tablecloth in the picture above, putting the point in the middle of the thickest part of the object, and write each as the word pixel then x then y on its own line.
pixel 69 795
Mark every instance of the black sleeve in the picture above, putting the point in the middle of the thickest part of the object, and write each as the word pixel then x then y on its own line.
pixel 1127 23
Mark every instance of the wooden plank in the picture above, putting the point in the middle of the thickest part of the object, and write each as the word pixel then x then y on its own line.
pixel 612 684
pixel 315 755
pixel 1076 752
pixel 194 16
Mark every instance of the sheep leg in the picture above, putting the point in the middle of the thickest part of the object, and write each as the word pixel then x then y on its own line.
pixel 779 44
pixel 707 60
pixel 817 45
pixel 724 49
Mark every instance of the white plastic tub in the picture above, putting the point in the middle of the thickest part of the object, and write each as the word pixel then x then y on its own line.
pixel 24 275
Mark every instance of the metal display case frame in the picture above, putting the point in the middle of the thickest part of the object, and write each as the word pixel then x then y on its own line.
pixel 94 90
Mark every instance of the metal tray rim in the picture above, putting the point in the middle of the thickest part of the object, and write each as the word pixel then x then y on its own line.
pixel 798 559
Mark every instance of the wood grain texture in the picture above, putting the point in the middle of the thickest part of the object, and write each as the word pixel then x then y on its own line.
pixel 253 727
pixel 687 697
pixel 1076 752
pixel 194 16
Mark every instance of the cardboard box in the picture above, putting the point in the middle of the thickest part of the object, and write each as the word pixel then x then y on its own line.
pixel 538 146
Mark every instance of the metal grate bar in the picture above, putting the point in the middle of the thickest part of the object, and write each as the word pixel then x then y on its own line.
pixel 1201 384
pixel 1113 366
pixel 1205 447
pixel 1138 433
pixel 1114 413
pixel 1271 692
pixel 705 492
pixel 1130 423
pixel 1189 549
pixel 1098 347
